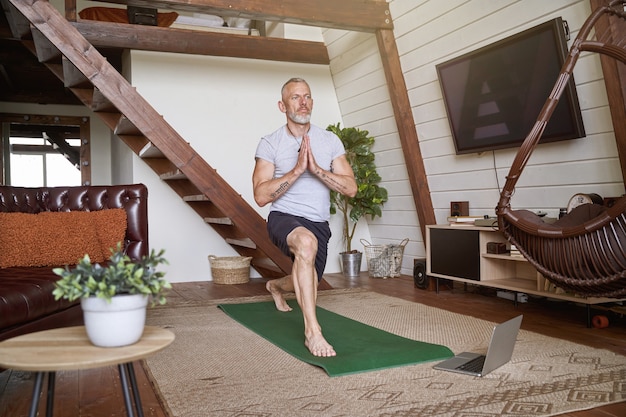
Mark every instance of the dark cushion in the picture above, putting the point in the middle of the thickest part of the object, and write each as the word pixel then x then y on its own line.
pixel 580 215
pixel 26 294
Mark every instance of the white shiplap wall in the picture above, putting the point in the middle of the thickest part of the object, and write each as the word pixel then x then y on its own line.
pixel 429 32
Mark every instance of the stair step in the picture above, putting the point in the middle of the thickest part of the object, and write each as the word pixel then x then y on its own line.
pixel 110 119
pixel 266 263
pixel 56 69
pixel 197 197
pixel 219 220
pixel 72 77
pixel 100 103
pixel 126 127
pixel 150 151
pixel 244 242
pixel 30 45
pixel 46 50
pixel 84 94
pixel 20 26
pixel 173 175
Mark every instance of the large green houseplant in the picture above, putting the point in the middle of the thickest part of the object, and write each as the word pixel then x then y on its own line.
pixel 108 292
pixel 370 196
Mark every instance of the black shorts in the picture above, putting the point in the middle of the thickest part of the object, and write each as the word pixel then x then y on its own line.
pixel 279 225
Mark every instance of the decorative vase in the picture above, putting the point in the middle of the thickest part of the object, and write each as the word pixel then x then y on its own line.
pixel 116 323
pixel 351 263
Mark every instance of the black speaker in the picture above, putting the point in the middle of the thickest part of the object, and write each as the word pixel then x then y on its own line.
pixel 421 280
pixel 459 208
pixel 142 16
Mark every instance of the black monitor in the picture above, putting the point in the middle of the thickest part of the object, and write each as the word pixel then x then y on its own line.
pixel 494 94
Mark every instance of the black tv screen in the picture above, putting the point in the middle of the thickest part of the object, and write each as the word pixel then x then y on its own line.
pixel 493 95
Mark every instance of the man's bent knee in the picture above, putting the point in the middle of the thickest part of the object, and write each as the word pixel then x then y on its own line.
pixel 302 243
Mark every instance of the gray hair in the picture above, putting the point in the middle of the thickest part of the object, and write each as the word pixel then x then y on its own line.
pixel 293 80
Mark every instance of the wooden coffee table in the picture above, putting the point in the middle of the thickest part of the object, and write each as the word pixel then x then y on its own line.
pixel 69 348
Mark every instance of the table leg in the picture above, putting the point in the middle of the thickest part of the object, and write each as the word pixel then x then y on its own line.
pixel 127 400
pixel 133 383
pixel 34 404
pixel 127 373
pixel 50 399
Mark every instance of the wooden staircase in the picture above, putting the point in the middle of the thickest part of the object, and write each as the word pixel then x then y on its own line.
pixel 57 44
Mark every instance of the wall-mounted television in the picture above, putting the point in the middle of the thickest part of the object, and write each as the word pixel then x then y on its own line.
pixel 494 94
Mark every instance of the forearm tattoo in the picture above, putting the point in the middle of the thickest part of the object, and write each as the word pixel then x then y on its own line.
pixel 332 182
pixel 281 189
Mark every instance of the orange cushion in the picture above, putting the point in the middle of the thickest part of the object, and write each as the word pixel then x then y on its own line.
pixel 59 238
pixel 111 229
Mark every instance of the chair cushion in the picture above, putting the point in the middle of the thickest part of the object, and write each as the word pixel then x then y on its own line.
pixel 580 215
pixel 26 295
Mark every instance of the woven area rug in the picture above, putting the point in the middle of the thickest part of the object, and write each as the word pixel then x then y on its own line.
pixel 217 367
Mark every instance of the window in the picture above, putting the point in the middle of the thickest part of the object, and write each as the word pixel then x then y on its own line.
pixel 34 163
pixel 44 151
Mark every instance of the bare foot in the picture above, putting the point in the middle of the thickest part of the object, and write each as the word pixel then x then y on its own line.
pixel 277 295
pixel 318 346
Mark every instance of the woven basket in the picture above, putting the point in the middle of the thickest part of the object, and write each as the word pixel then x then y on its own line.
pixel 230 269
pixel 384 261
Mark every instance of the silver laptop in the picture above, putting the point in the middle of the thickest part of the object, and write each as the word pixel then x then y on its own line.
pixel 499 352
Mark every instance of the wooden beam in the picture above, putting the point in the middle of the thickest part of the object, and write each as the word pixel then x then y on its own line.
pixel 358 15
pixel 406 128
pixel 70 10
pixel 154 38
pixel 615 83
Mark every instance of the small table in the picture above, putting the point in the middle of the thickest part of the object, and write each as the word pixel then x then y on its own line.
pixel 69 348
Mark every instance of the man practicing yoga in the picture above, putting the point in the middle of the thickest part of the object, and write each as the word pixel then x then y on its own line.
pixel 296 167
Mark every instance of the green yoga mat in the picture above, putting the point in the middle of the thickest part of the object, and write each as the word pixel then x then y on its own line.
pixel 359 347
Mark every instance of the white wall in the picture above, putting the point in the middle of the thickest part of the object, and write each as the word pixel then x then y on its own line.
pixel 431 32
pixel 364 101
pixel 222 106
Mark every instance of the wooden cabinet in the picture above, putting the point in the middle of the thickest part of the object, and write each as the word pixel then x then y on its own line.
pixel 459 253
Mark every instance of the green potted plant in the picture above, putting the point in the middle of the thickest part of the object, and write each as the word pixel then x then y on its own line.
pixel 114 297
pixel 369 198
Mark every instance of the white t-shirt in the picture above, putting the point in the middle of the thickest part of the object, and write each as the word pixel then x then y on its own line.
pixel 308 197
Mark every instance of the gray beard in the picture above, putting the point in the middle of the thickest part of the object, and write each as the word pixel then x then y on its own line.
pixel 302 120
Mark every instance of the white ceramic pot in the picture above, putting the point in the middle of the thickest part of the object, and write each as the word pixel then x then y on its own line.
pixel 118 323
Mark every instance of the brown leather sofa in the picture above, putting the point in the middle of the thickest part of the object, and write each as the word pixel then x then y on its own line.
pixel 26 301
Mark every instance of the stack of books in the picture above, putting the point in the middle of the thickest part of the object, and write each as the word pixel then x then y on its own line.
pixel 515 252
pixel 463 220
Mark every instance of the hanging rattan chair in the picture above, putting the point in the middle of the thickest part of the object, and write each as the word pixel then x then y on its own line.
pixel 588 258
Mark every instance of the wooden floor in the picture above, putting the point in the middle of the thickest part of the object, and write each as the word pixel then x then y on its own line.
pixel 97 392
